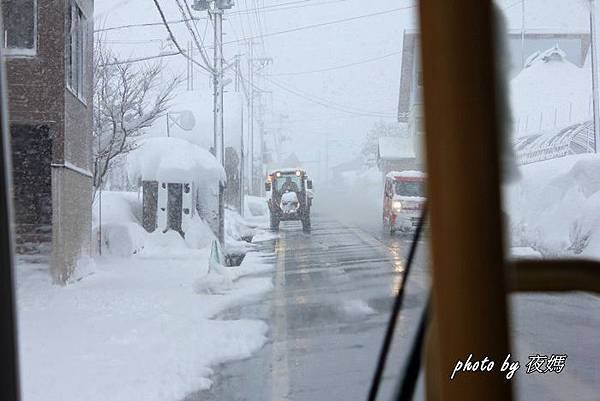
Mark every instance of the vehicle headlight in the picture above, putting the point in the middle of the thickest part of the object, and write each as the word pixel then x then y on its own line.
pixel 396 206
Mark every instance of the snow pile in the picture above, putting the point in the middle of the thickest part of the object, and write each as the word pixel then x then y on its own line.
pixel 256 211
pixel 239 232
pixel 356 308
pixel 550 92
pixel 554 208
pixel 122 232
pixel 255 206
pixel 137 329
pixel 236 227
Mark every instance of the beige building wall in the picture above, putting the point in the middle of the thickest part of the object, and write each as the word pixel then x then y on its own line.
pixel 71 221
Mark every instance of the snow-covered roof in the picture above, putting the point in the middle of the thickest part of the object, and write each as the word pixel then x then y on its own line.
pixel 171 159
pixel 285 170
pixel 406 174
pixel 396 148
pixel 549 92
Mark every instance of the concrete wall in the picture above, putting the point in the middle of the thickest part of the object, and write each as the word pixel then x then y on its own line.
pixel 71 221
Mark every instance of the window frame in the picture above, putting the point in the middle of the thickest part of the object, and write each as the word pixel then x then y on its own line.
pixel 16 52
pixel 74 62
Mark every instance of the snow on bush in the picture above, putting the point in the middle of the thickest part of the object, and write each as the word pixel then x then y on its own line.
pixel 554 207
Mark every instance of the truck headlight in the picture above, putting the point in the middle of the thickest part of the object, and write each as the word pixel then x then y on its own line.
pixel 396 206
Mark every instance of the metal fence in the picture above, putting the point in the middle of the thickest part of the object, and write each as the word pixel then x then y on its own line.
pixel 573 139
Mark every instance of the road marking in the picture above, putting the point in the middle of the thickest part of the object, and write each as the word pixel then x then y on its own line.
pixel 280 382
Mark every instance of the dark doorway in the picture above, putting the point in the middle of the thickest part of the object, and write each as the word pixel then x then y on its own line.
pixel 32 180
pixel 174 207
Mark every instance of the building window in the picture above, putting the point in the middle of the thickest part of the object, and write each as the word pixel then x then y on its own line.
pixel 20 30
pixel 75 52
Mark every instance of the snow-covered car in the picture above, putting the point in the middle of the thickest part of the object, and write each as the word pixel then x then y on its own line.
pixel 289 196
pixel 403 200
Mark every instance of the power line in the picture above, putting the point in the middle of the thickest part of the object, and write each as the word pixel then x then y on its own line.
pixel 168 28
pixel 128 26
pixel 140 59
pixel 134 60
pixel 281 6
pixel 198 44
pixel 339 66
pixel 235 13
pixel 339 21
pixel 329 104
pixel 202 41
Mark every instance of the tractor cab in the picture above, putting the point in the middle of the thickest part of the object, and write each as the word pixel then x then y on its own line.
pixel 289 196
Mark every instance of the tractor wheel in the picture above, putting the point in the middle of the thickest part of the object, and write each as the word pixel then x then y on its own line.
pixel 274 222
pixel 306 224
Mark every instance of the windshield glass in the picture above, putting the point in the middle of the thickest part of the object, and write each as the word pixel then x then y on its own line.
pixel 409 188
pixel 290 182
pixel 157 257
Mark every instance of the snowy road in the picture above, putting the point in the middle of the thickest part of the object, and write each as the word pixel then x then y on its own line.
pixel 328 310
pixel 327 314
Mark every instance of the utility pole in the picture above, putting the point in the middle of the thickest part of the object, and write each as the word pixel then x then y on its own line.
pixel 215 12
pixel 251 117
pixel 594 63
pixel 242 159
pixel 242 155
pixel 522 34
pixel 216 15
pixel 256 64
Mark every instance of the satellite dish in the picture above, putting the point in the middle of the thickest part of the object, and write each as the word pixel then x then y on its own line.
pixel 184 119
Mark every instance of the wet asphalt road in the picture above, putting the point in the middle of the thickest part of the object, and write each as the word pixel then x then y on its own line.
pixel 330 304
pixel 327 313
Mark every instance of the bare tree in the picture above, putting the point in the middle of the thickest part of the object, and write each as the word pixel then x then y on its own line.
pixel 128 99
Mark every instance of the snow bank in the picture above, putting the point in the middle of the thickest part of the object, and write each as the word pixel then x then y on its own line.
pixel 554 208
pixel 524 252
pixel 256 206
pixel 122 232
pixel 136 329
pixel 238 233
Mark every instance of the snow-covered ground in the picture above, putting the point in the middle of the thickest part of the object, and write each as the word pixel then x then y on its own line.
pixel 554 207
pixel 142 321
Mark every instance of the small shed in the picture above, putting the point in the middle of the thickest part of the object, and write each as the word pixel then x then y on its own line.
pixel 179 180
